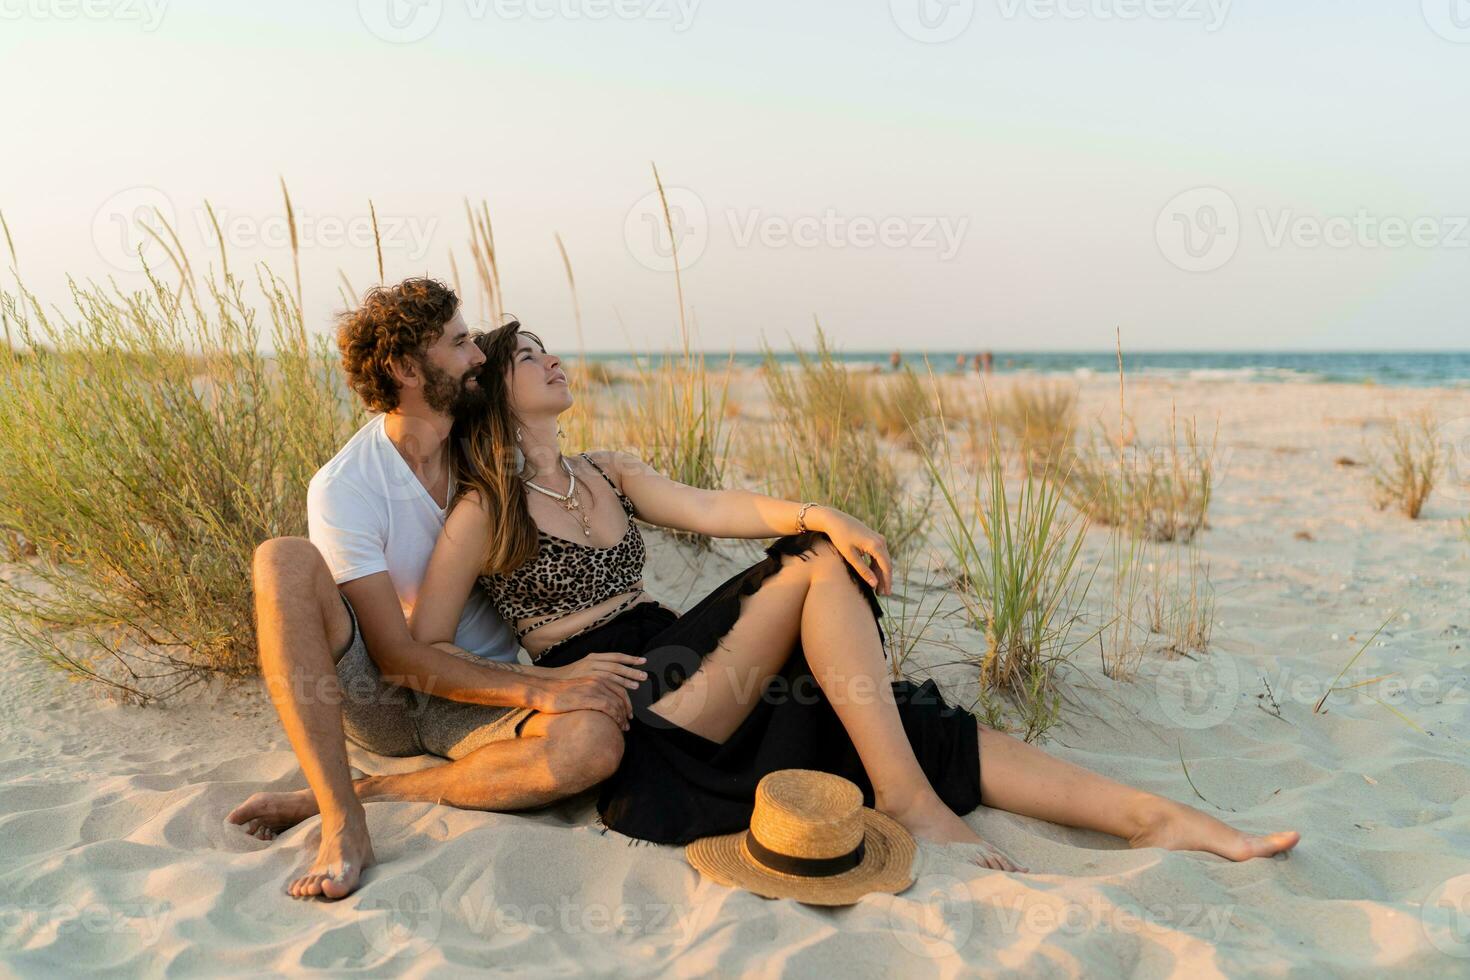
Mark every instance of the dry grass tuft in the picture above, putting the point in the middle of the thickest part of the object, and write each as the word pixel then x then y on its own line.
pixel 822 447
pixel 1041 422
pixel 1158 493
pixel 1016 550
pixel 149 446
pixel 1403 472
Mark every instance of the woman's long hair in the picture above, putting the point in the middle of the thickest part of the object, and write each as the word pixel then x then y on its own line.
pixel 483 448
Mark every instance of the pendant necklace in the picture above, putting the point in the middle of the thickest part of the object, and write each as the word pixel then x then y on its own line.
pixel 569 501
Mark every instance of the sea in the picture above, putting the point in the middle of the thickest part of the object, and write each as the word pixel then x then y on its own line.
pixel 1389 368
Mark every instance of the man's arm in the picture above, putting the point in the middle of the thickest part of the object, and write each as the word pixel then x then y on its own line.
pixel 423 667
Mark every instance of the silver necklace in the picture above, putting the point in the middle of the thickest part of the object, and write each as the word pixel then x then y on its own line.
pixel 569 500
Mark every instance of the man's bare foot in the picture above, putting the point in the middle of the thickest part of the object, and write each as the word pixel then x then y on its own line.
pixel 266 814
pixel 935 822
pixel 1177 827
pixel 345 852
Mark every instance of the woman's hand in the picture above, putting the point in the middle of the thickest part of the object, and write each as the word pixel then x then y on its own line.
pixel 853 539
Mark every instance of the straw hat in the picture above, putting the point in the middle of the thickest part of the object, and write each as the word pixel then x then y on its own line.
pixel 810 839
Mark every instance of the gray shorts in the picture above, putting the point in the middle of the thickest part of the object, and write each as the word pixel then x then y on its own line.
pixel 392 720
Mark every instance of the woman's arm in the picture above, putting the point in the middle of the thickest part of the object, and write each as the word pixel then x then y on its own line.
pixel 717 513
pixel 745 514
pixel 458 557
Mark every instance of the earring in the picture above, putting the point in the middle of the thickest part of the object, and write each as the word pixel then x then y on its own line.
pixel 518 433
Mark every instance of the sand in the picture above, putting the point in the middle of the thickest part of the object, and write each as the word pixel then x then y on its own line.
pixel 115 857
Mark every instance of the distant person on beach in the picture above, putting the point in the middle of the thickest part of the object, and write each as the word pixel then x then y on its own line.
pixel 895 360
pixel 781 666
pixel 335 649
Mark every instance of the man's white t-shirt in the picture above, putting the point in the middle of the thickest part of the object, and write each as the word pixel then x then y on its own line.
pixel 367 512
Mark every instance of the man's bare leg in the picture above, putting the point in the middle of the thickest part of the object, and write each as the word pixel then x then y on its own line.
pixel 555 757
pixel 300 622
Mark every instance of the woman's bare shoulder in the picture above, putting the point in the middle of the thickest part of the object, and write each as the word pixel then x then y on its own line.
pixel 618 465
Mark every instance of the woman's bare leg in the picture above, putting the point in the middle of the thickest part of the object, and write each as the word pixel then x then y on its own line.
pixel 817 600
pixel 1023 779
pixel 815 597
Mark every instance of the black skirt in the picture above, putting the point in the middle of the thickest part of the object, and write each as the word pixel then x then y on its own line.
pixel 674 786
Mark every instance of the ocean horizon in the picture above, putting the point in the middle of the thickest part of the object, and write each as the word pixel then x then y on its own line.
pixel 1414 369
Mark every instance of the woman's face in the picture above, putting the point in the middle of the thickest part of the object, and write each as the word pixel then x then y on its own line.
pixel 536 381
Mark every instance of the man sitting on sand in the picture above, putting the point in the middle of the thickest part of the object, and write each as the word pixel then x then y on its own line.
pixel 335 648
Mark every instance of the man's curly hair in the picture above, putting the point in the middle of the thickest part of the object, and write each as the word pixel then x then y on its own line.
pixel 399 321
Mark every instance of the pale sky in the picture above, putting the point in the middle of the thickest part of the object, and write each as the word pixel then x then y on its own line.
pixel 1006 174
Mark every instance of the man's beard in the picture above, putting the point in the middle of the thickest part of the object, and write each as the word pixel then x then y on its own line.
pixel 450 396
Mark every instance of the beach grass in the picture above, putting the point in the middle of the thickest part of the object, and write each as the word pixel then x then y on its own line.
pixel 1017 552
pixel 909 614
pixel 1040 420
pixel 823 446
pixel 1161 493
pixel 676 416
pixel 149 446
pixel 897 404
pixel 1403 470
pixel 1181 600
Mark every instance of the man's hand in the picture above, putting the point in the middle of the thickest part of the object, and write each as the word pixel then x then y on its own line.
pixel 621 667
pixel 596 688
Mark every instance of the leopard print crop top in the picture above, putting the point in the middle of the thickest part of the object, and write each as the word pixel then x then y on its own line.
pixel 565 576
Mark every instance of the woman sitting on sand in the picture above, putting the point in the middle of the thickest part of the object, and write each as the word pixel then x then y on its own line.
pixel 780 667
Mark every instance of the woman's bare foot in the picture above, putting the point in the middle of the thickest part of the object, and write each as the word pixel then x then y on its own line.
pixel 935 822
pixel 1177 827
pixel 266 814
pixel 345 850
